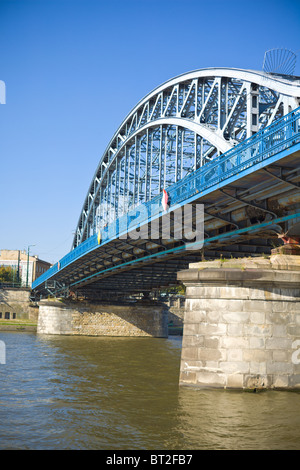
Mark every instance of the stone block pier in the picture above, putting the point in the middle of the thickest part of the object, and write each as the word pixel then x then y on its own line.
pixel 242 323
pixel 139 318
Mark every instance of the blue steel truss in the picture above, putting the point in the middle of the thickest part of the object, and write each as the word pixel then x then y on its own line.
pixel 179 127
pixel 262 149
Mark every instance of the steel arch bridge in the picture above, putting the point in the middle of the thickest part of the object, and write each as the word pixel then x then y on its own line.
pixel 183 137
pixel 176 129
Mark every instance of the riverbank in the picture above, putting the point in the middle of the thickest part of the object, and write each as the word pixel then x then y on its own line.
pixel 29 325
pixel 18 325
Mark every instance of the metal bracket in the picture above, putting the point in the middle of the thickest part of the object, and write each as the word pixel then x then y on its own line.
pixel 248 203
pixel 280 178
pixel 228 220
pixel 53 287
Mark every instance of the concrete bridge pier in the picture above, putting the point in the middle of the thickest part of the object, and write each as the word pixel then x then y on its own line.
pixel 242 323
pixel 137 318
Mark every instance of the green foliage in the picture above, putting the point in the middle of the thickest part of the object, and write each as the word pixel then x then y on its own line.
pixel 177 290
pixel 7 274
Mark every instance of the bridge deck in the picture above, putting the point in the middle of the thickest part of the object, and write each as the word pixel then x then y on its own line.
pixel 250 194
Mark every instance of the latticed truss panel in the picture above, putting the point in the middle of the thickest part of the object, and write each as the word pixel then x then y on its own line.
pixel 176 129
pixel 147 164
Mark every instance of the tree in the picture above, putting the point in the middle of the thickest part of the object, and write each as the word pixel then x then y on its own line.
pixel 8 274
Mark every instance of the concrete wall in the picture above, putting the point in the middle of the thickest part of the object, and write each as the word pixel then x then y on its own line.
pixel 142 318
pixel 176 308
pixel 16 303
pixel 242 324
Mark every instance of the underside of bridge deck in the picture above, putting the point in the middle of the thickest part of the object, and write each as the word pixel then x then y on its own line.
pixel 242 219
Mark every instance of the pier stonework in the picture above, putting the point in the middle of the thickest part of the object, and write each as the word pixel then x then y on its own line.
pixel 140 318
pixel 242 324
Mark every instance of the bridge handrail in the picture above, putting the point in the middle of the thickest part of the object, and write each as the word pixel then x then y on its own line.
pixel 280 135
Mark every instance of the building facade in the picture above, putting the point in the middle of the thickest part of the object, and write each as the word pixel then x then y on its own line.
pixel 25 268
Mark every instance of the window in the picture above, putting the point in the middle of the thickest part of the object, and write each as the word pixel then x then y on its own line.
pixel 7 316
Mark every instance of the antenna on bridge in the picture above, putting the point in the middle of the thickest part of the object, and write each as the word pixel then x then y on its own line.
pixel 279 61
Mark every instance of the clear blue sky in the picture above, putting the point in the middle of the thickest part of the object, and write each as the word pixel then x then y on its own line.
pixel 73 70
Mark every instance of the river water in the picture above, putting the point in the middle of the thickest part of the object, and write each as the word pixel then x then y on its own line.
pixel 122 393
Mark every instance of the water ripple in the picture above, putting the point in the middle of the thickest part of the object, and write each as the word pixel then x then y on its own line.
pixel 122 393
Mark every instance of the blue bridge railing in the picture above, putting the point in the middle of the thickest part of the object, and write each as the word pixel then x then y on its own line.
pixel 256 150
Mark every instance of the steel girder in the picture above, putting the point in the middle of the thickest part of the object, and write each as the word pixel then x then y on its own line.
pixel 177 128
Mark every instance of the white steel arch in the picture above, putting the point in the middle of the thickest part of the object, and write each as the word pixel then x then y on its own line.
pixel 175 129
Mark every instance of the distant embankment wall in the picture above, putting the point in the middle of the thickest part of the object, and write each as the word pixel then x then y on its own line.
pixel 15 304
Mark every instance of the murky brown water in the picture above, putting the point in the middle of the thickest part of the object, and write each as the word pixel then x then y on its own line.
pixel 122 393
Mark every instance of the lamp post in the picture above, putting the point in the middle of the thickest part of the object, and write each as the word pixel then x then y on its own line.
pixel 28 264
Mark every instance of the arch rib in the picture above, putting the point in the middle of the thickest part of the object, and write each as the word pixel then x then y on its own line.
pixel 208 134
pixel 220 106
